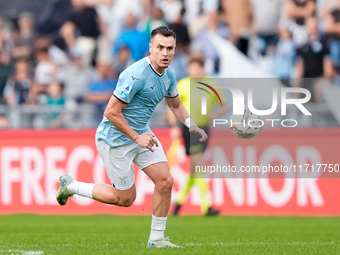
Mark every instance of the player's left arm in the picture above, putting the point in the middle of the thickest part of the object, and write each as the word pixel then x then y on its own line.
pixel 178 109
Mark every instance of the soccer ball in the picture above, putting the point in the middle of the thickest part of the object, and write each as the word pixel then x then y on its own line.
pixel 247 125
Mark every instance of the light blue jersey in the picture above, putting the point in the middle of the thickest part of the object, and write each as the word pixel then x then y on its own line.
pixel 141 87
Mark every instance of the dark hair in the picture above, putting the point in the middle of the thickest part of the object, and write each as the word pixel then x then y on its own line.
pixel 197 59
pixel 163 30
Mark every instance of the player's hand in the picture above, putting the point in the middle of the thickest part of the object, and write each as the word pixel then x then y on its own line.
pixel 200 132
pixel 146 140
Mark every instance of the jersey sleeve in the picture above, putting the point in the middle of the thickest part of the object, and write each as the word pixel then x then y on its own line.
pixel 172 90
pixel 126 88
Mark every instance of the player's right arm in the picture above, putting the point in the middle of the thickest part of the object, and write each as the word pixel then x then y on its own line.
pixel 113 113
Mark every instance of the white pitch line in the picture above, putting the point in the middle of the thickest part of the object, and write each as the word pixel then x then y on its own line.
pixel 21 252
pixel 258 243
pixel 58 245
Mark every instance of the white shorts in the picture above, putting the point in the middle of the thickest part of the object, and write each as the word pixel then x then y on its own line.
pixel 118 161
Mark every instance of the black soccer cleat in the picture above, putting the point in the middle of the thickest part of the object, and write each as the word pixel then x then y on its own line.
pixel 212 212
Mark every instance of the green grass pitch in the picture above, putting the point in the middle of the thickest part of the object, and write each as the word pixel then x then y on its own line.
pixel 106 234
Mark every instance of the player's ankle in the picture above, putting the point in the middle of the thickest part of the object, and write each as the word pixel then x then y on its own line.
pixel 158 226
pixel 81 189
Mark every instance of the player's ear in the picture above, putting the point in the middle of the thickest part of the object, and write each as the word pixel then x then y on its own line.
pixel 150 48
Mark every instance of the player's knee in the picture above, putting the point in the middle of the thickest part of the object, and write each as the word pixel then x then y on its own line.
pixel 126 201
pixel 165 185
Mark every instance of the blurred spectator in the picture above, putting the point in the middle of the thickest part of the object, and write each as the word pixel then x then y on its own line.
pixel 332 29
pixel 113 13
pixel 103 9
pixel 44 74
pixel 192 10
pixel 25 39
pixel 18 88
pixel 122 60
pixel 56 55
pixel 298 11
pixel 53 15
pixel 202 43
pixel 76 77
pixel 6 67
pixel 102 6
pixel 239 16
pixel 181 31
pixel 134 39
pixel 55 98
pixel 195 8
pixel 266 20
pixel 179 62
pixel 170 8
pixel 6 36
pixel 284 58
pixel 99 92
pixel 313 59
pixel 86 21
pixel 156 19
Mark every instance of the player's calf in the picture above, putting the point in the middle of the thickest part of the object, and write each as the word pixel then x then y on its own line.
pixel 110 195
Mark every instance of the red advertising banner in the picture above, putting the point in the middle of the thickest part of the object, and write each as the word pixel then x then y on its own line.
pixel 31 162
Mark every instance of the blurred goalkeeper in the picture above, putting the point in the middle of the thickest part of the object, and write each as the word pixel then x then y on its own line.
pixel 193 147
pixel 124 137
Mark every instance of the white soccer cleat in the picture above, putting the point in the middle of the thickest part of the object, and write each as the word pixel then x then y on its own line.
pixel 62 193
pixel 162 243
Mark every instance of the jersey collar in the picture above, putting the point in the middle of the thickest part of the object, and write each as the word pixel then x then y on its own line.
pixel 149 61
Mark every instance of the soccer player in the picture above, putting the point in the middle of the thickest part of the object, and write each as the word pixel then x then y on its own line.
pixel 193 147
pixel 124 137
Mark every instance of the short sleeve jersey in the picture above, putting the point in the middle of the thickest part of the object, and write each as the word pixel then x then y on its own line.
pixel 141 87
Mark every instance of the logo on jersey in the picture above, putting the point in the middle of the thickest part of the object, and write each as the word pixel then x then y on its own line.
pixel 166 82
pixel 126 90
pixel 133 78
pixel 122 180
pixel 152 87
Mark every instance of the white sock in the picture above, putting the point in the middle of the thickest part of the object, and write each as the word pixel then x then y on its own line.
pixel 158 225
pixel 81 188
